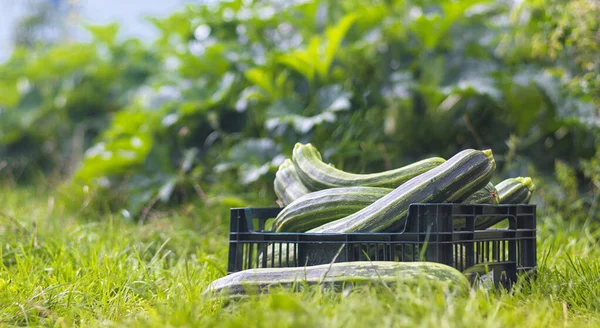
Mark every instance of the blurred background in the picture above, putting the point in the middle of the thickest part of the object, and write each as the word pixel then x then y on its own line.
pixel 127 106
pixel 61 20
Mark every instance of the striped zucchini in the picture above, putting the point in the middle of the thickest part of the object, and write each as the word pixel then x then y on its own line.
pixel 510 191
pixel 453 181
pixel 320 207
pixel 486 195
pixel 275 260
pixel 338 275
pixel 288 186
pixel 516 190
pixel 317 175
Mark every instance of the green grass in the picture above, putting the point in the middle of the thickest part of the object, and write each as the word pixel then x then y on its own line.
pixel 60 269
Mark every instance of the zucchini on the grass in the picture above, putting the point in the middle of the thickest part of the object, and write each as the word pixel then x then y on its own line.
pixel 453 181
pixel 337 275
pixel 317 175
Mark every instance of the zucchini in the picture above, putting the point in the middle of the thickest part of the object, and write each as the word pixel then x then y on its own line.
pixel 275 260
pixel 337 275
pixel 453 181
pixel 486 195
pixel 320 207
pixel 510 191
pixel 317 175
pixel 515 190
pixel 288 186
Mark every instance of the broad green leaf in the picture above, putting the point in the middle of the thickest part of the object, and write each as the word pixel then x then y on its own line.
pixel 312 53
pixel 104 33
pixel 301 62
pixel 223 89
pixel 286 106
pixel 332 98
pixel 480 86
pixel 144 186
pixel 333 38
pixel 124 146
pixel 9 94
pixel 254 151
pixel 252 158
pixel 212 62
pixel 115 157
pixel 209 97
pixel 427 30
pixel 290 112
pixel 281 81
pixel 523 101
pixel 177 23
pixel 61 60
pixel 261 78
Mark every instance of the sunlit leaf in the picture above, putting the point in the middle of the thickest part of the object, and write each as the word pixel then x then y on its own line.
pixel 9 94
pixel 261 78
pixel 223 89
pixel 333 38
pixel 106 33
pixel 60 61
pixel 301 62
pixel 124 146
pixel 427 29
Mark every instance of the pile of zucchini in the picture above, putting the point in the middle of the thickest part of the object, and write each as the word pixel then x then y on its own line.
pixel 318 198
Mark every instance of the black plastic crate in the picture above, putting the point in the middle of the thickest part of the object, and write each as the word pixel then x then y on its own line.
pixel 427 236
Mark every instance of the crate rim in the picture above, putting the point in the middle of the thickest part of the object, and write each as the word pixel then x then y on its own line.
pixel 412 204
pixel 405 233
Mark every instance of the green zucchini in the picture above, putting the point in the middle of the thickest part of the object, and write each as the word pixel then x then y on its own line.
pixel 275 260
pixel 510 191
pixel 515 190
pixel 338 275
pixel 288 186
pixel 320 207
pixel 453 181
pixel 486 195
pixel 317 175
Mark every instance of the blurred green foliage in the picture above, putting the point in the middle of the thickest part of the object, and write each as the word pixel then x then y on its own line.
pixel 218 101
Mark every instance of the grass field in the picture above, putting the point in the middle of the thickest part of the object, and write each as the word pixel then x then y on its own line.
pixel 61 269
